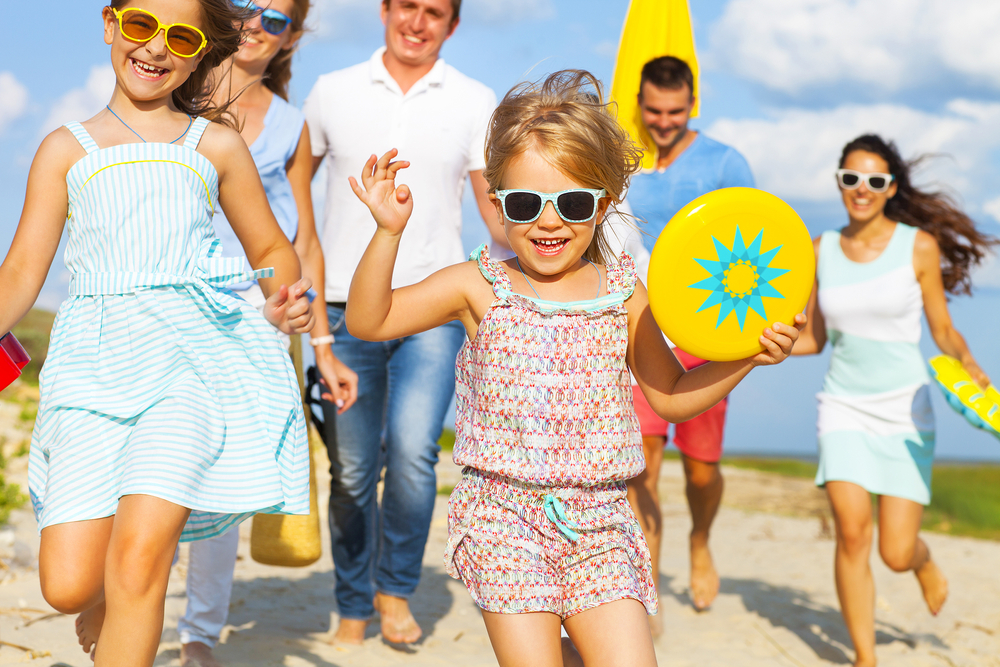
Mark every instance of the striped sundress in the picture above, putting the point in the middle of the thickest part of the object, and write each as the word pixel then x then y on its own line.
pixel 159 380
pixel 876 425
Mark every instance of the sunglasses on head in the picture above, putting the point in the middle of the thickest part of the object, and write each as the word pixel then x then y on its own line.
pixel 138 25
pixel 524 206
pixel 851 180
pixel 271 20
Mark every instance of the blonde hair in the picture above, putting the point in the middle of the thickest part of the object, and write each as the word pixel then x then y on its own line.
pixel 566 118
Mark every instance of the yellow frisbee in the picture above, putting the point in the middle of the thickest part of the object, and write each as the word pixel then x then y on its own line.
pixel 980 407
pixel 729 264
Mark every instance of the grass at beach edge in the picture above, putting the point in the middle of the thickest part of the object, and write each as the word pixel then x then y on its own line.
pixel 965 498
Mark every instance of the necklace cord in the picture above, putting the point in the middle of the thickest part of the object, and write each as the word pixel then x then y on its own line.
pixel 599 281
pixel 190 120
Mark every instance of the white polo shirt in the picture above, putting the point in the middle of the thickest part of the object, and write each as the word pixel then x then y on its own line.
pixel 439 125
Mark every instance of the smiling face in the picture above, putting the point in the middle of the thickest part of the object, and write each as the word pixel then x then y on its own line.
pixel 149 71
pixel 665 113
pixel 862 204
pixel 415 30
pixel 547 247
pixel 260 46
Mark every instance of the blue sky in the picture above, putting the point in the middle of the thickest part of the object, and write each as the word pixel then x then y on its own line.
pixel 787 82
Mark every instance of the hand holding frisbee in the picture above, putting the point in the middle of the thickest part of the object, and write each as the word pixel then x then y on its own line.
pixel 980 407
pixel 13 359
pixel 727 265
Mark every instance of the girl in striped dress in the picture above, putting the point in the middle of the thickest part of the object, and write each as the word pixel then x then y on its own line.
pixel 900 252
pixel 540 530
pixel 169 409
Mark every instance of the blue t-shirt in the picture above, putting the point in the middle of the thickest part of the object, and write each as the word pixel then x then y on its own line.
pixel 705 165
pixel 271 151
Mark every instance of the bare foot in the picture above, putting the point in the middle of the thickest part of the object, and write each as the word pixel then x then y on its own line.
pixel 704 578
pixel 88 627
pixel 655 625
pixel 398 624
pixel 196 654
pixel 934 585
pixel 350 631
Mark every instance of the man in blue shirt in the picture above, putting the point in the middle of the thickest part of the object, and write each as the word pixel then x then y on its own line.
pixel 688 165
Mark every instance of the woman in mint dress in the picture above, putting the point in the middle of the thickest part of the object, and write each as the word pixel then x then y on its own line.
pixel 900 252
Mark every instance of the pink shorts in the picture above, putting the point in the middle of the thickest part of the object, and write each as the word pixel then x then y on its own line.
pixel 514 558
pixel 699 438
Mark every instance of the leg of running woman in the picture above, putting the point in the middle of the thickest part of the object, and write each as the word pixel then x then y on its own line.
pixel 852 514
pixel 902 549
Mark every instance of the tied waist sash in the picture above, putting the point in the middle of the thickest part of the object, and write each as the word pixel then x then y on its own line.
pixel 212 269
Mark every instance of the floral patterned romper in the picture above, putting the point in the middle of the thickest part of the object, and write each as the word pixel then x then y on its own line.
pixel 547 433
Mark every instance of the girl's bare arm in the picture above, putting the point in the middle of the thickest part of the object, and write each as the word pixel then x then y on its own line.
pixel 375 311
pixel 927 265
pixel 678 395
pixel 43 217
pixel 242 197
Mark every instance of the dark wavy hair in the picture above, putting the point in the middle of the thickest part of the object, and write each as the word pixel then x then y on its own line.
pixel 279 70
pixel 223 28
pixel 962 245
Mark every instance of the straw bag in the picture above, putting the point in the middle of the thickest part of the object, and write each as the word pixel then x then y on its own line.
pixel 287 539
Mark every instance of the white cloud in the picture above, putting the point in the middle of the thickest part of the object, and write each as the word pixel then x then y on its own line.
pixel 353 18
pixel 82 103
pixel 13 99
pixel 507 11
pixel 887 45
pixel 987 274
pixel 330 19
pixel 794 152
pixel 993 208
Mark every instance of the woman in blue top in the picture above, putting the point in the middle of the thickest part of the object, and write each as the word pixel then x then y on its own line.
pixel 257 77
pixel 899 254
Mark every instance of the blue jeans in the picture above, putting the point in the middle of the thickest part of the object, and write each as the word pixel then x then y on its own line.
pixel 404 389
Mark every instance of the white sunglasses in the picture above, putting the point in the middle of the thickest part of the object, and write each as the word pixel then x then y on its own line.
pixel 848 179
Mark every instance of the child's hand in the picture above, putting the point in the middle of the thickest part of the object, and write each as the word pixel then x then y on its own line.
pixel 288 308
pixel 390 206
pixel 778 341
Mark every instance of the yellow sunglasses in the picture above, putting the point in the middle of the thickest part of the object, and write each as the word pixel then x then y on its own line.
pixel 138 25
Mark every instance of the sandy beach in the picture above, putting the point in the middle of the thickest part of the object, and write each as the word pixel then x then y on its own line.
pixel 772 544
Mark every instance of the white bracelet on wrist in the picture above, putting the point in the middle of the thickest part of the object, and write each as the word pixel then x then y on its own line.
pixel 321 340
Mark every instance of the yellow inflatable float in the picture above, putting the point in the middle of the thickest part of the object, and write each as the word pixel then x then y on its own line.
pixel 980 407
pixel 653 28
pixel 729 264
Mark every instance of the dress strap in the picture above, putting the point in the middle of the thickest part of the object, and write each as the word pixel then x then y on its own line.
pixel 492 270
pixel 623 276
pixel 83 137
pixel 194 134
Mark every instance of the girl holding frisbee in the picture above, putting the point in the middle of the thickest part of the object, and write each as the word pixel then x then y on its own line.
pixel 169 410
pixel 540 529
pixel 902 250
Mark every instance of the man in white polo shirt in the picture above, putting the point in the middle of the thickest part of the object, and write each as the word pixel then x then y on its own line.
pixel 404 97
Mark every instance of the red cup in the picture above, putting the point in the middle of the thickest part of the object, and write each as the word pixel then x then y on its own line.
pixel 13 359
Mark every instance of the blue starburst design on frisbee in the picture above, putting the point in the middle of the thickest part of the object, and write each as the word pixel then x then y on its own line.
pixel 740 277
